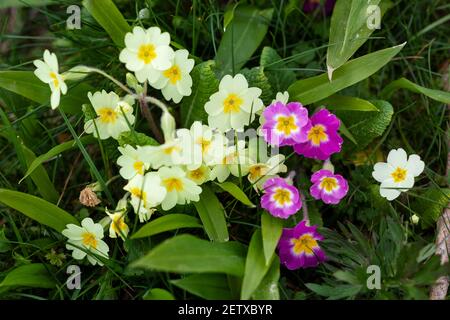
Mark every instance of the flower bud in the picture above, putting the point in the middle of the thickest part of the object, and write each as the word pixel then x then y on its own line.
pixel 415 219
pixel 168 126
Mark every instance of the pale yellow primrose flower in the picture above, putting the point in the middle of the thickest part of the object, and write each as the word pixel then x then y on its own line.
pixel 398 173
pixel 147 53
pixel 89 237
pixel 175 82
pixel 147 192
pixel 234 105
pixel 47 71
pixel 132 161
pixel 111 112
pixel 180 189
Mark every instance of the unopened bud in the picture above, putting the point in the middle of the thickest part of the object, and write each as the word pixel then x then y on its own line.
pixel 415 219
pixel 327 165
pixel 168 126
pixel 88 197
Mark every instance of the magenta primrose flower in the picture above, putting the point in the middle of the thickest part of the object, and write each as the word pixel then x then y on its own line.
pixel 280 198
pixel 322 138
pixel 298 247
pixel 285 124
pixel 329 187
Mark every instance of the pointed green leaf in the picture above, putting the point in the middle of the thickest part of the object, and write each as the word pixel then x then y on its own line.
pixel 317 88
pixel 337 102
pixel 212 215
pixel 404 83
pixel 242 37
pixel 37 209
pixel 110 18
pixel 158 294
pixel 35 275
pixel 188 254
pixel 280 77
pixel 268 288
pixel 236 192
pixel 171 221
pixel 271 229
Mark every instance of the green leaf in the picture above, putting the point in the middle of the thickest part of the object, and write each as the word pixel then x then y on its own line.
pixel 255 266
pixel 271 229
pixel 404 83
pixel 348 30
pixel 366 126
pixel 188 254
pixel 318 88
pixel 268 288
pixel 280 77
pixel 37 209
pixel 171 221
pixel 110 18
pixel 334 293
pixel 40 178
pixel 26 84
pixel 430 205
pixel 337 102
pixel 24 3
pixel 207 286
pixel 204 84
pixel 158 294
pixel 53 152
pixel 136 139
pixel 236 192
pixel 212 215
pixel 257 78
pixel 35 275
pixel 243 36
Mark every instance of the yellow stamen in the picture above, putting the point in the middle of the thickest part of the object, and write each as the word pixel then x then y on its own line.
pixel 89 240
pixel 147 53
pixel 257 171
pixel 173 184
pixel 173 74
pixel 170 150
pixel 139 167
pixel 282 196
pixel 204 143
pixel 286 125
pixel 328 183
pixel 317 135
pixel 118 224
pixel 399 175
pixel 55 79
pixel 107 115
pixel 304 244
pixel 196 174
pixel 232 103
pixel 138 193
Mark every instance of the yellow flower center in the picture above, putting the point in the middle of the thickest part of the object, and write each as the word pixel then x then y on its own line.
pixel 89 240
pixel 173 74
pixel 229 159
pixel 317 135
pixel 304 244
pixel 107 115
pixel 282 196
pixel 399 175
pixel 286 125
pixel 55 79
pixel 204 143
pixel 139 167
pixel 173 184
pixel 118 224
pixel 196 174
pixel 257 171
pixel 138 193
pixel 232 103
pixel 328 184
pixel 147 53
pixel 170 150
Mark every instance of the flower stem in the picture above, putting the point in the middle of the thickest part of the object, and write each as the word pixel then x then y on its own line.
pixel 148 115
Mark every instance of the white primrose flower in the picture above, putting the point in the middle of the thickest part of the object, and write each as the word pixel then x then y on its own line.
pixel 262 167
pixel 175 82
pixel 166 154
pixel 132 161
pixel 87 238
pixel 118 226
pixel 47 72
pixel 398 173
pixel 146 193
pixel 180 189
pixel 147 53
pixel 234 105
pixel 282 97
pixel 199 144
pixel 228 161
pixel 199 175
pixel 111 112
